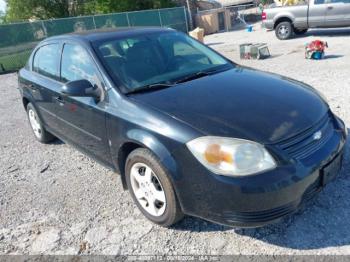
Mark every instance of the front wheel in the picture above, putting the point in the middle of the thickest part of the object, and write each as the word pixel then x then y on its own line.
pixel 284 30
pixel 151 188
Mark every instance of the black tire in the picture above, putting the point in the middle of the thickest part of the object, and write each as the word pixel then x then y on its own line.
pixel 300 31
pixel 172 212
pixel 42 135
pixel 284 30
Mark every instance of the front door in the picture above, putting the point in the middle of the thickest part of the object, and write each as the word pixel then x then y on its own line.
pixel 83 119
pixel 338 13
pixel 317 13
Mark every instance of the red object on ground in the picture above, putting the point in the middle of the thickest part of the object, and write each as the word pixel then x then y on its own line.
pixel 317 45
pixel 315 49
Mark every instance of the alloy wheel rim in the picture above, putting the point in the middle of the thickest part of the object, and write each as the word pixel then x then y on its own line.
pixel 34 122
pixel 283 31
pixel 148 189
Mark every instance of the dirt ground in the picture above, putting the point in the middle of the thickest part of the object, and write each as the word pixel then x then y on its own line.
pixel 54 200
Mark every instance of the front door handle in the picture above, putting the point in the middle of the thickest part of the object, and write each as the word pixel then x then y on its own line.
pixel 330 7
pixel 60 100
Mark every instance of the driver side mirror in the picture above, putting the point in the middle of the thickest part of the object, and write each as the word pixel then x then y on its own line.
pixel 81 88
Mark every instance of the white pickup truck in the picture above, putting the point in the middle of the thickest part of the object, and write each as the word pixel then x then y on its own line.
pixel 297 19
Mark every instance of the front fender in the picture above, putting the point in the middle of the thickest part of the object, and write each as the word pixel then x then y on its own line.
pixel 150 142
pixel 135 138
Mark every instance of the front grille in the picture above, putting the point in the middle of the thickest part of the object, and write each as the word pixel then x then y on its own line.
pixel 304 144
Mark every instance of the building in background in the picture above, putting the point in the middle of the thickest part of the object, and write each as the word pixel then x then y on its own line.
pixel 228 3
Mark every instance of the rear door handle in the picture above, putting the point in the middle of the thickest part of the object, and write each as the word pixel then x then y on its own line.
pixel 330 7
pixel 60 100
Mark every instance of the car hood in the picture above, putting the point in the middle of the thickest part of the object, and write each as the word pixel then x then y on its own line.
pixel 243 103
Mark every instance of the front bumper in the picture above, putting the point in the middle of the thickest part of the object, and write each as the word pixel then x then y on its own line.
pixel 257 200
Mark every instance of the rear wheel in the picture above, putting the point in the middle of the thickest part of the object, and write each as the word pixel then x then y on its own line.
pixel 151 188
pixel 284 30
pixel 299 31
pixel 38 129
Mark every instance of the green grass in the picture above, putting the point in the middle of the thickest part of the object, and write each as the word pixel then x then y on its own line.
pixel 14 61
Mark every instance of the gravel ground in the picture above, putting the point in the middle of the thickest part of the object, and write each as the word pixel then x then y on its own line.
pixel 54 200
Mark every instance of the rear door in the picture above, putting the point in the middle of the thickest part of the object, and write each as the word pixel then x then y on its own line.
pixel 44 85
pixel 317 13
pixel 338 13
pixel 83 119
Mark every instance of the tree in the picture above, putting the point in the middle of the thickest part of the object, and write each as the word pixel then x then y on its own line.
pixel 108 6
pixel 19 10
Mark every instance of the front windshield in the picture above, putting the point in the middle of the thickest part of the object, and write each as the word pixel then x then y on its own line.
pixel 144 60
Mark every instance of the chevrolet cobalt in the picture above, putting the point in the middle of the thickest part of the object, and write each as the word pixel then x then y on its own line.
pixel 189 131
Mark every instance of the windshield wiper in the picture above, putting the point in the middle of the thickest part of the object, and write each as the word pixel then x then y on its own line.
pixel 150 87
pixel 157 86
pixel 198 75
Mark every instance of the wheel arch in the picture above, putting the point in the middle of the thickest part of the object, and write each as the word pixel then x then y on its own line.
pixel 142 139
pixel 25 102
pixel 281 19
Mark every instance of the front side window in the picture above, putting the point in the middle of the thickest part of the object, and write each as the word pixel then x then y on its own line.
pixel 145 60
pixel 77 65
pixel 46 61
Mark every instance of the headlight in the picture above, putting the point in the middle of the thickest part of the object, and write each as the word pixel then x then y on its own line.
pixel 231 156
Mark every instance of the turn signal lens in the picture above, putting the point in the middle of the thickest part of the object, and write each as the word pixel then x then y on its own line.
pixel 231 156
pixel 214 155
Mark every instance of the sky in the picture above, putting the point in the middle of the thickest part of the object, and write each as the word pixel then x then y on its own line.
pixel 2 5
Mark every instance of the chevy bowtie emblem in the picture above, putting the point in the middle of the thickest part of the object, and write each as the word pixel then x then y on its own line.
pixel 317 135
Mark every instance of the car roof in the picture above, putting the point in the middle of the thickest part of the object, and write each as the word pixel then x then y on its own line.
pixel 105 34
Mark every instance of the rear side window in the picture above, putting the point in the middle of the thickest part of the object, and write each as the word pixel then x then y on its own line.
pixel 77 65
pixel 46 61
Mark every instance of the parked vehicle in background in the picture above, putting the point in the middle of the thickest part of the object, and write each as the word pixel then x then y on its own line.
pixel 297 19
pixel 189 131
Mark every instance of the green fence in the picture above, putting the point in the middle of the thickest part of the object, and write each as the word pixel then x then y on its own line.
pixel 18 40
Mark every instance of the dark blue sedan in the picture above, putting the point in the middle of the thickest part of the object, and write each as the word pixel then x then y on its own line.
pixel 189 131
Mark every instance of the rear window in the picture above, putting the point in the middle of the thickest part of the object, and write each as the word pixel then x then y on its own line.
pixel 46 61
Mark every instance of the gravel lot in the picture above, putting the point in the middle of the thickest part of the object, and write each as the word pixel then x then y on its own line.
pixel 54 200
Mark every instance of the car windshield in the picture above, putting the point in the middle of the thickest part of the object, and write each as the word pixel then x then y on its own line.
pixel 157 59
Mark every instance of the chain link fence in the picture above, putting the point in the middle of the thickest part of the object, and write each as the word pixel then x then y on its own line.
pixel 18 40
pixel 245 14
